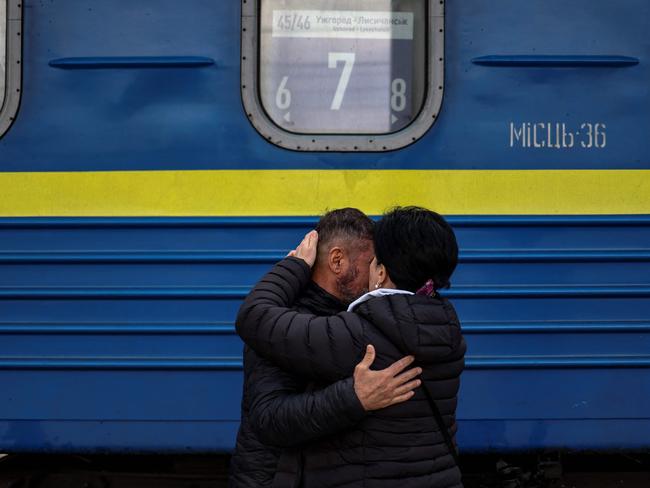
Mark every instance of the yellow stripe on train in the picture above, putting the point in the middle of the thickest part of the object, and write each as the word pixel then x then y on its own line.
pixel 310 192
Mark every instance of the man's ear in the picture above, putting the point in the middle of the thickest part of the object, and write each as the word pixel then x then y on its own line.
pixel 335 259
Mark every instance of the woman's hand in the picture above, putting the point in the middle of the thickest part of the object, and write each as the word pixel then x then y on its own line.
pixel 307 249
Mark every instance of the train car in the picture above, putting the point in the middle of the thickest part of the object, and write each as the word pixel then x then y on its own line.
pixel 158 156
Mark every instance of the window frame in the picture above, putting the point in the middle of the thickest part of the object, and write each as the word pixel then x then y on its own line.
pixel 13 65
pixel 434 89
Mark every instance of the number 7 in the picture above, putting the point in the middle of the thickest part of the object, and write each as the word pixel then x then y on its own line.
pixel 348 59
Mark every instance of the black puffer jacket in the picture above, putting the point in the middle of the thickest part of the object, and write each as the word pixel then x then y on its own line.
pixel 279 412
pixel 399 445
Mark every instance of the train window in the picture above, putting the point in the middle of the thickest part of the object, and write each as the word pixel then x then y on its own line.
pixel 342 75
pixel 3 44
pixel 10 61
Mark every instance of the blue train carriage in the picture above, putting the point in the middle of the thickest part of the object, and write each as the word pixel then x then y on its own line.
pixel 158 156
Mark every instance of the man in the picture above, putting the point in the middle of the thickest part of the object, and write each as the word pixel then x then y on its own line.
pixel 283 410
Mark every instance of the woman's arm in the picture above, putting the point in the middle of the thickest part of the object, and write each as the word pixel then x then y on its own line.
pixel 321 348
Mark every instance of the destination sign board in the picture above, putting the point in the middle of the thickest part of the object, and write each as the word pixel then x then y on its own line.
pixel 329 71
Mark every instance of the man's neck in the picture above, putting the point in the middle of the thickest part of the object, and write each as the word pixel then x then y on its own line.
pixel 326 281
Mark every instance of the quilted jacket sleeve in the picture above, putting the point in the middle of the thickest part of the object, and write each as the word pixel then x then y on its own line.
pixel 284 415
pixel 321 348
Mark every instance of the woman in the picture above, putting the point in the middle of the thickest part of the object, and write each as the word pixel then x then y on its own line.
pixel 409 444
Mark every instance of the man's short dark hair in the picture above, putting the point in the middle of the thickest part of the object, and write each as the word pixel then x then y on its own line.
pixel 416 245
pixel 344 224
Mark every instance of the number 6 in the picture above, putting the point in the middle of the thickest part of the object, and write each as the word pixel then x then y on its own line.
pixel 283 96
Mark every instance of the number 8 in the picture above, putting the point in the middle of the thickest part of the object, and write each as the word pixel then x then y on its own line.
pixel 398 98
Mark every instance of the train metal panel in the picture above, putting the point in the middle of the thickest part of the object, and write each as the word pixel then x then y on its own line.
pixel 138 205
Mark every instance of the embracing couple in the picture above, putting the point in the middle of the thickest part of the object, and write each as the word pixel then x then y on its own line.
pixel 314 412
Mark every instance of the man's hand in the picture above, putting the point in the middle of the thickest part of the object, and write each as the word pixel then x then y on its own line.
pixel 379 389
pixel 307 249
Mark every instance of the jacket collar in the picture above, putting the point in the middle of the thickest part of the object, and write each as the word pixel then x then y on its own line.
pixel 381 292
pixel 319 302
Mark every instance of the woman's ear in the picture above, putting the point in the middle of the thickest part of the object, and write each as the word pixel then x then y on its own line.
pixel 382 273
pixel 384 278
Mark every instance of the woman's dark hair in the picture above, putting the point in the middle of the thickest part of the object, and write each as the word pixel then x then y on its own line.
pixel 416 245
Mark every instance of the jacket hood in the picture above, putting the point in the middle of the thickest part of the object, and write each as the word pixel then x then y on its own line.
pixel 422 326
